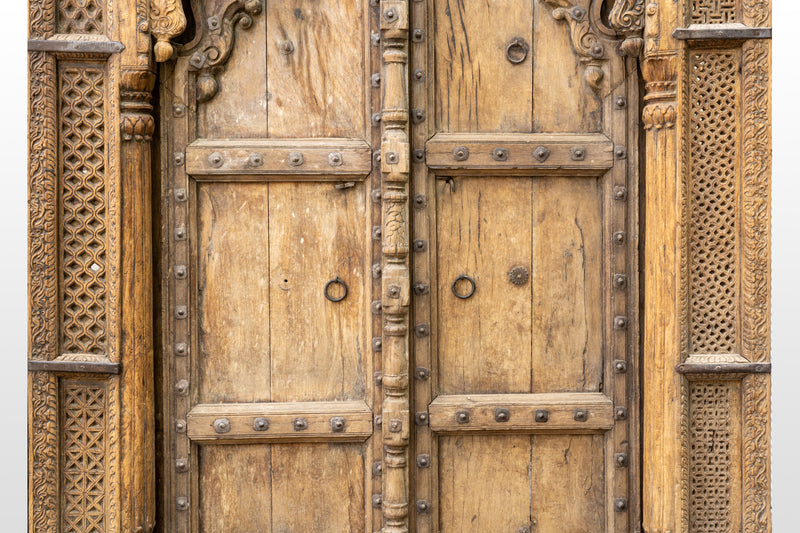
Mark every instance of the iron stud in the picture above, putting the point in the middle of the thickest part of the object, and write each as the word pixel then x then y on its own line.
pixel 377 307
pixel 620 152
pixel 421 373
pixel 181 311
pixel 419 155
pixel 222 425
pixel 181 465
pixel 182 387
pixel 180 233
pixel 377 344
pixel 619 238
pixel 460 153
pixel 295 159
pixel 377 468
pixel 541 154
pixel 502 414
pixel 500 154
pixel 392 158
pixel 419 74
pixel 620 102
pixel 177 158
pixel 423 460
pixel 542 415
pixel 420 245
pixel 182 503
pixel 390 14
pixel 335 159
pixel 395 425
pixel 421 418
pixel 255 160
pixel 260 424
pixel 621 459
pixel 417 116
pixel 423 506
pixel 620 322
pixel 377 500
pixel 620 413
pixel 620 281
pixel 620 366
pixel 378 420
pixel 215 160
pixel 377 270
pixel 421 289
pixel 418 35
pixel 421 330
pixel 180 195
pixel 180 426
pixel 300 424
pixel 179 110
pixel 577 153
pixel 620 504
pixel 378 378
pixel 181 272
pixel 286 47
pixel 181 348
pixel 420 201
pixel 462 417
pixel 580 415
pixel 337 424
pixel 620 193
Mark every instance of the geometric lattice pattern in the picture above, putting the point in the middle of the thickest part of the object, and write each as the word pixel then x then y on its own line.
pixel 710 456
pixel 80 16
pixel 83 211
pixel 713 11
pixel 713 235
pixel 84 457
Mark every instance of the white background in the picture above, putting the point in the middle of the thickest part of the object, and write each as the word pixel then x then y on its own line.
pixel 785 253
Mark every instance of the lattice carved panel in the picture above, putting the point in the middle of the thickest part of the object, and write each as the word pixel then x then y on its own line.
pixel 80 16
pixel 83 449
pixel 713 234
pixel 83 210
pixel 713 11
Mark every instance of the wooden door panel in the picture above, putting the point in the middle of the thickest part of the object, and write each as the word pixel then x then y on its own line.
pixel 470 46
pixel 505 483
pixel 265 254
pixel 541 332
pixel 281 487
pixel 299 71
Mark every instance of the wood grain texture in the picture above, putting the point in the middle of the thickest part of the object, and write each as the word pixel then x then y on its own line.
pixel 577 505
pixel 316 82
pixel 247 470
pixel 484 483
pixel 566 279
pixel 483 234
pixel 471 65
pixel 317 234
pixel 318 487
pixel 234 306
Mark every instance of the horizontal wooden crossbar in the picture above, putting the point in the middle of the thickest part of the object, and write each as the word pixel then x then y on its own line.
pixel 526 413
pixel 286 421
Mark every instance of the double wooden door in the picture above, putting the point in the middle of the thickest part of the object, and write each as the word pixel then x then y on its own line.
pixel 399 269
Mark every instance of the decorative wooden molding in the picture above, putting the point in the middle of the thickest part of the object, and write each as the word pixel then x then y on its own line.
pixel 219 43
pixel 395 282
pixel 585 42
pixel 166 21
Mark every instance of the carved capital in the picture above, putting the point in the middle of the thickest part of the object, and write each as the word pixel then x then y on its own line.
pixel 136 87
pixel 660 72
pixel 166 21
pixel 627 18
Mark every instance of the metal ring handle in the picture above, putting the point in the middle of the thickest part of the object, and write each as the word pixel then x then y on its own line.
pixel 337 280
pixel 517 50
pixel 472 288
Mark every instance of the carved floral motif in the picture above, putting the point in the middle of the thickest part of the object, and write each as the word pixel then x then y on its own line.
pixel 218 45
pixel 43 453
pixel 627 18
pixel 584 41
pixel 166 21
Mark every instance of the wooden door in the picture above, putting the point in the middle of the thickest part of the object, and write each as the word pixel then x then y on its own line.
pixel 399 269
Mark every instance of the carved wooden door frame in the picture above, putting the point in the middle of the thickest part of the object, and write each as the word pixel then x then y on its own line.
pixel 705 258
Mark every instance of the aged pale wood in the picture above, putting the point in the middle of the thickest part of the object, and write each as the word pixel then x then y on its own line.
pixel 356 421
pixel 483 235
pixel 470 56
pixel 317 347
pixel 234 304
pixel 248 468
pixel 544 154
pixel 567 341
pixel 321 159
pixel 577 504
pixel 316 79
pixel 481 490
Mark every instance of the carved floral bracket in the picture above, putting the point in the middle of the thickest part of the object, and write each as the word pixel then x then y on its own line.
pixel 218 45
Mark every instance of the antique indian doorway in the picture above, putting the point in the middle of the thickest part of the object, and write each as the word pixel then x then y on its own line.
pixel 377 265
pixel 401 258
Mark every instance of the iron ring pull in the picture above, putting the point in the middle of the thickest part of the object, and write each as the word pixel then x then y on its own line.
pixel 517 50
pixel 471 290
pixel 336 281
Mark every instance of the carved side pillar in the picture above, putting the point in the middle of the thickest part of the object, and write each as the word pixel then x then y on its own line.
pixel 396 285
pixel 90 360
pixel 662 275
pixel 706 268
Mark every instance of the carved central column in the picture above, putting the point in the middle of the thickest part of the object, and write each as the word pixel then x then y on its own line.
pixel 396 286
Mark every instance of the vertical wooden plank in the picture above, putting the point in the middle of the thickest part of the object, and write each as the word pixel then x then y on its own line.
pixel 567 285
pixel 233 362
pixel 568 483
pixel 315 59
pixel 239 108
pixel 318 487
pixel 478 89
pixel 564 101
pixel 484 230
pixel 235 488
pixel 317 233
pixel 484 483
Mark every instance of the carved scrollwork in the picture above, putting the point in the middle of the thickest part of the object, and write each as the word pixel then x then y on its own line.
pixel 166 21
pixel 218 45
pixel 627 18
pixel 584 41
